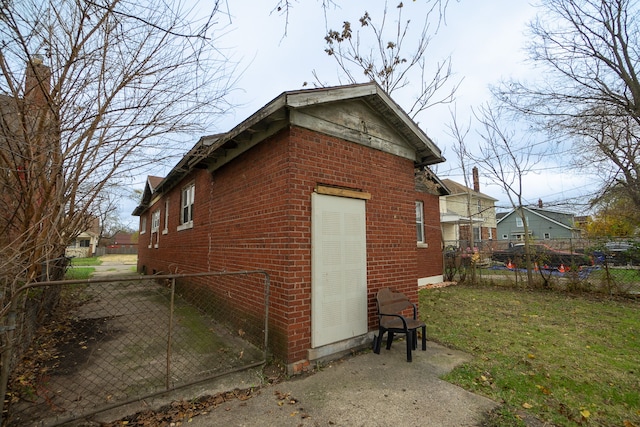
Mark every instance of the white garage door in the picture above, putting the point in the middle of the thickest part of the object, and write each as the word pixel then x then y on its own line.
pixel 339 269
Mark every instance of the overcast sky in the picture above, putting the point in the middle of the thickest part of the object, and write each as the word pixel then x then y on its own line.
pixel 484 38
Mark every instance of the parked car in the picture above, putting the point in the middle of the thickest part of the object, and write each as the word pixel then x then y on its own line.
pixel 543 255
pixel 622 253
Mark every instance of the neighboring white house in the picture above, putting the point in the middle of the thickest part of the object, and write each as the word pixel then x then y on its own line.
pixel 85 243
pixel 83 246
pixel 464 211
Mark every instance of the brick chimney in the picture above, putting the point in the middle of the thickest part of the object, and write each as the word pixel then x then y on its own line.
pixel 37 86
pixel 476 180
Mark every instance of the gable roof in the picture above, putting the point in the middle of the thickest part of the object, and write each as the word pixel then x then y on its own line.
pixel 306 108
pixel 559 218
pixel 457 189
pixel 149 188
pixel 500 215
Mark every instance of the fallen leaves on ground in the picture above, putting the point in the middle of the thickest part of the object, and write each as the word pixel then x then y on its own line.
pixel 181 411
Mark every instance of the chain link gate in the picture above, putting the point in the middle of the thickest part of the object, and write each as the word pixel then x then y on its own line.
pixel 122 340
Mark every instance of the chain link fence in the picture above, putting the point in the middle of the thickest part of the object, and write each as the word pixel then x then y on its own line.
pixel 610 266
pixel 115 341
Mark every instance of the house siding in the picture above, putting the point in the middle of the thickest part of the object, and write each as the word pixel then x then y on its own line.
pixel 255 213
pixel 538 225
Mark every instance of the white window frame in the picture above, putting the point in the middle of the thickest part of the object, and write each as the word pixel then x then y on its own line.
pixel 420 236
pixel 155 227
pixel 165 230
pixel 143 224
pixel 519 222
pixel 155 221
pixel 547 236
pixel 505 237
pixel 187 197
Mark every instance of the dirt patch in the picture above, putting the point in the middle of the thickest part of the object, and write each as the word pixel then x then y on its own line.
pixel 77 341
pixel 111 346
pixel 182 411
pixel 440 285
pixel 119 258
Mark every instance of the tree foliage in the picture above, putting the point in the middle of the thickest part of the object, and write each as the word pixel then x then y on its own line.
pixel 614 217
pixel 587 52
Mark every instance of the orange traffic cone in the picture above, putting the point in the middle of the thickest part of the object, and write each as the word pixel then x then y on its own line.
pixel 510 266
pixel 561 269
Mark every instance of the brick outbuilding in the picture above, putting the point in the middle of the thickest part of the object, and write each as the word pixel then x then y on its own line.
pixel 328 190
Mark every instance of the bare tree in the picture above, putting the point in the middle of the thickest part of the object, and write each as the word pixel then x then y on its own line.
pixel 112 87
pixel 459 134
pixel 105 209
pixel 383 53
pixel 610 145
pixel 285 7
pixel 507 159
pixel 587 51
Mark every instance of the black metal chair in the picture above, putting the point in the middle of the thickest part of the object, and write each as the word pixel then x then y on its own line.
pixel 391 305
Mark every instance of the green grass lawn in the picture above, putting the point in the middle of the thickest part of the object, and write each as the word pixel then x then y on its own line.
pixel 567 360
pixel 81 268
pixel 79 273
pixel 75 262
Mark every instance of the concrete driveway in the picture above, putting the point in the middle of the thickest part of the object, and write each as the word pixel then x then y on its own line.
pixel 363 390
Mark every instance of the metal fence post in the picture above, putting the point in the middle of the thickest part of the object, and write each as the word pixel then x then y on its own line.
pixel 7 354
pixel 170 333
pixel 267 293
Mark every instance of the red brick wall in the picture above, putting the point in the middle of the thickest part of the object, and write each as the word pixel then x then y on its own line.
pixel 255 213
pixel 430 262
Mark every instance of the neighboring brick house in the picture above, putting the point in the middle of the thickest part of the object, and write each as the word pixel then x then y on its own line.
pixel 318 184
pixel 29 142
pixel 120 243
pixel 123 240
pixel 466 210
